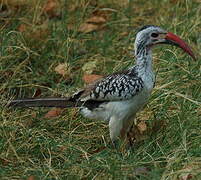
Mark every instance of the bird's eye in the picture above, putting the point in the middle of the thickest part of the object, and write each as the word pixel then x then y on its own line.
pixel 154 35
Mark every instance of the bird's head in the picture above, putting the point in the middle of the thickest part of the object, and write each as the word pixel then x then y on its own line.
pixel 149 36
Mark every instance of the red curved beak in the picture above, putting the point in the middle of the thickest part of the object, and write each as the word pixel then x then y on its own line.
pixel 175 40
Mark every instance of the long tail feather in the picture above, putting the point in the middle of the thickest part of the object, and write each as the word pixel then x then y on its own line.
pixel 44 102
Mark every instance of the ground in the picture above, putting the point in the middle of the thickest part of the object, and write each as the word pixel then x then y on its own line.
pixel 51 48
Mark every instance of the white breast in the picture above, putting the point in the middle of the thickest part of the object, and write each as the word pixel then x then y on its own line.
pixel 120 109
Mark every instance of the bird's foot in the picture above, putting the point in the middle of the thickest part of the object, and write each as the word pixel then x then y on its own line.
pixel 115 144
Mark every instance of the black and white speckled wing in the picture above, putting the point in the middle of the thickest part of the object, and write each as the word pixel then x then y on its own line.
pixel 118 86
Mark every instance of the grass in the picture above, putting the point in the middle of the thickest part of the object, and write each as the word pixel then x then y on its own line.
pixel 70 146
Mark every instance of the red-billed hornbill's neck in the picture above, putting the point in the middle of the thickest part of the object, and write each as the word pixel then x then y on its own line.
pixel 117 98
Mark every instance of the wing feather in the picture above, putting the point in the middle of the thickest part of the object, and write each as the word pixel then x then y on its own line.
pixel 115 87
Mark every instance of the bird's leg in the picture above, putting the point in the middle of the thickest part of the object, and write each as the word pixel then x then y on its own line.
pixel 130 144
pixel 129 136
pixel 120 129
pixel 115 144
pixel 128 125
pixel 115 127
